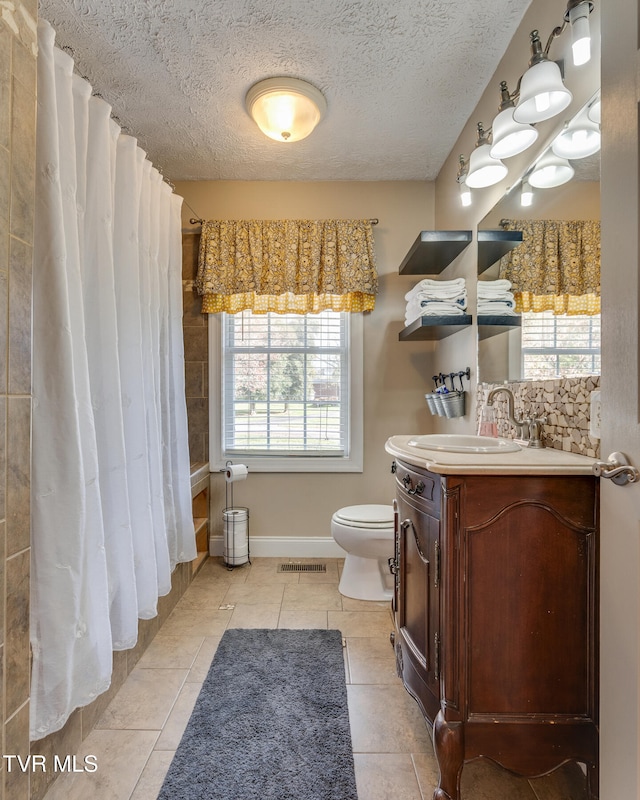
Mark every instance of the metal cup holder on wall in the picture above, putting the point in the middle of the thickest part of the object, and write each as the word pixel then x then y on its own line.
pixel 447 401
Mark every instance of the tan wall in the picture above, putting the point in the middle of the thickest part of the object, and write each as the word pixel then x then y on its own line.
pixel 573 200
pixel 396 374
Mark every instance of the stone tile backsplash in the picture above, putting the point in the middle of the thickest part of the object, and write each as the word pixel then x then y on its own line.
pixel 565 402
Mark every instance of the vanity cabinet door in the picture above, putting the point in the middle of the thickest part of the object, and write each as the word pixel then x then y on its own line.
pixel 418 603
pixel 520 625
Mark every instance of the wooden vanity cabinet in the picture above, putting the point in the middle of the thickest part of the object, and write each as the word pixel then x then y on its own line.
pixel 417 601
pixel 496 612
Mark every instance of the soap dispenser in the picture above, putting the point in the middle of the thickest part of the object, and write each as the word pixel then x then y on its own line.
pixel 487 425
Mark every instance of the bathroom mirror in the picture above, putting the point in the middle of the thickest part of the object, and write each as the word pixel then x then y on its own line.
pixel 500 351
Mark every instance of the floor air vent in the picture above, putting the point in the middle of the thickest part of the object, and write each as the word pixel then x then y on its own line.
pixel 302 567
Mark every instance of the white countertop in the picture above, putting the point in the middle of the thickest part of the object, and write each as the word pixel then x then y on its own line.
pixel 526 461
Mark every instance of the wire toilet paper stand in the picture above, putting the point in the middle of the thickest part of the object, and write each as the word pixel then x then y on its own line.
pixel 235 523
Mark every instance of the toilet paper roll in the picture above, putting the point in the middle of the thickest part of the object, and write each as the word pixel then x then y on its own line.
pixel 236 472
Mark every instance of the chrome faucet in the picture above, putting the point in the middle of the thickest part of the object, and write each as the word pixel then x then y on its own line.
pixel 529 428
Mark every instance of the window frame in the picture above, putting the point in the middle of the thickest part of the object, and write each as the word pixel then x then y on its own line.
pixel 295 462
pixel 555 351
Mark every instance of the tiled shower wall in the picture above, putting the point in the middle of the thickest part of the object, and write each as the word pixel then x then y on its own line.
pixel 196 354
pixel 17 160
pixel 564 402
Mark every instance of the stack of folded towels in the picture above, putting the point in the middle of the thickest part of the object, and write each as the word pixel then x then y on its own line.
pixel 435 298
pixel 495 298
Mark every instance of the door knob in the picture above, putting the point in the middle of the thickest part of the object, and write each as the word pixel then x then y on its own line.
pixel 617 468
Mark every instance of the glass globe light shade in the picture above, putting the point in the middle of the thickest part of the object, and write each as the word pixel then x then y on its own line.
pixel 542 93
pixel 483 169
pixel 285 109
pixel 551 171
pixel 578 140
pixel 595 112
pixel 510 137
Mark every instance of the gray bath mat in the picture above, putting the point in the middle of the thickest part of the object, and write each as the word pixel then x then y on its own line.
pixel 271 722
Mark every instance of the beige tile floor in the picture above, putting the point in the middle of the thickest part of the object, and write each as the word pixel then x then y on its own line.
pixel 137 735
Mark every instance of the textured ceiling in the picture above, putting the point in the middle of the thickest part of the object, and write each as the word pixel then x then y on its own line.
pixel 401 78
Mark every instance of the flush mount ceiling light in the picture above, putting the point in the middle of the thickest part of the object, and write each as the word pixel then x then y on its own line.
pixel 484 170
pixel 551 171
pixel 285 109
pixel 509 137
pixel 542 92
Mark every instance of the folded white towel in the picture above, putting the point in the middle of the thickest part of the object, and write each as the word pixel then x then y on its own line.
pixel 495 308
pixel 433 310
pixel 417 303
pixel 449 297
pixel 440 288
pixel 491 287
pixel 503 297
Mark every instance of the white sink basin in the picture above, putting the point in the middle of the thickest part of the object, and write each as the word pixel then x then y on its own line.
pixel 463 443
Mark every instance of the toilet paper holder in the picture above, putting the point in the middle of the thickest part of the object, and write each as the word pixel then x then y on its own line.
pixel 235 533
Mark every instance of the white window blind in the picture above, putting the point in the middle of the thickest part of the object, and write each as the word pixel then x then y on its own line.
pixel 285 384
pixel 554 345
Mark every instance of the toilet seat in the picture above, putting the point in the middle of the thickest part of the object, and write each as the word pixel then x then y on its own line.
pixel 374 517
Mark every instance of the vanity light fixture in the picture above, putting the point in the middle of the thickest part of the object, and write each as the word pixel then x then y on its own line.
pixel 551 171
pixel 484 170
pixel 579 139
pixel 577 15
pixel 540 95
pixel 285 109
pixel 465 191
pixel 508 136
pixel 542 92
pixel 526 194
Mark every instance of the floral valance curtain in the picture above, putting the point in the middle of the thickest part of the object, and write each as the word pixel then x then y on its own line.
pixel 557 266
pixel 287 266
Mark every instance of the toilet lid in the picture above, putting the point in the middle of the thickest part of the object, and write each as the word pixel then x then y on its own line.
pixel 366 515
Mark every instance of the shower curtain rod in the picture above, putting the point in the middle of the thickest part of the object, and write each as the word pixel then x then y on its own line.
pixel 196 221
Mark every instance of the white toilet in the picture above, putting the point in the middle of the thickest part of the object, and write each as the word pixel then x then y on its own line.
pixel 366 533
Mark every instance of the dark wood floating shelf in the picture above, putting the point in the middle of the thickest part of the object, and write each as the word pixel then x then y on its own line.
pixel 431 328
pixel 492 245
pixel 433 251
pixel 492 324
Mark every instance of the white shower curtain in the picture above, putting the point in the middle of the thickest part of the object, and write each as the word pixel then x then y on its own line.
pixel 111 499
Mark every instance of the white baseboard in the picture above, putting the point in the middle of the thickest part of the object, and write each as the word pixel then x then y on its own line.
pixel 285 547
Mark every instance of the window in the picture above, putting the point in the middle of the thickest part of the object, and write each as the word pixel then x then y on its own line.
pixel 291 391
pixel 554 345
